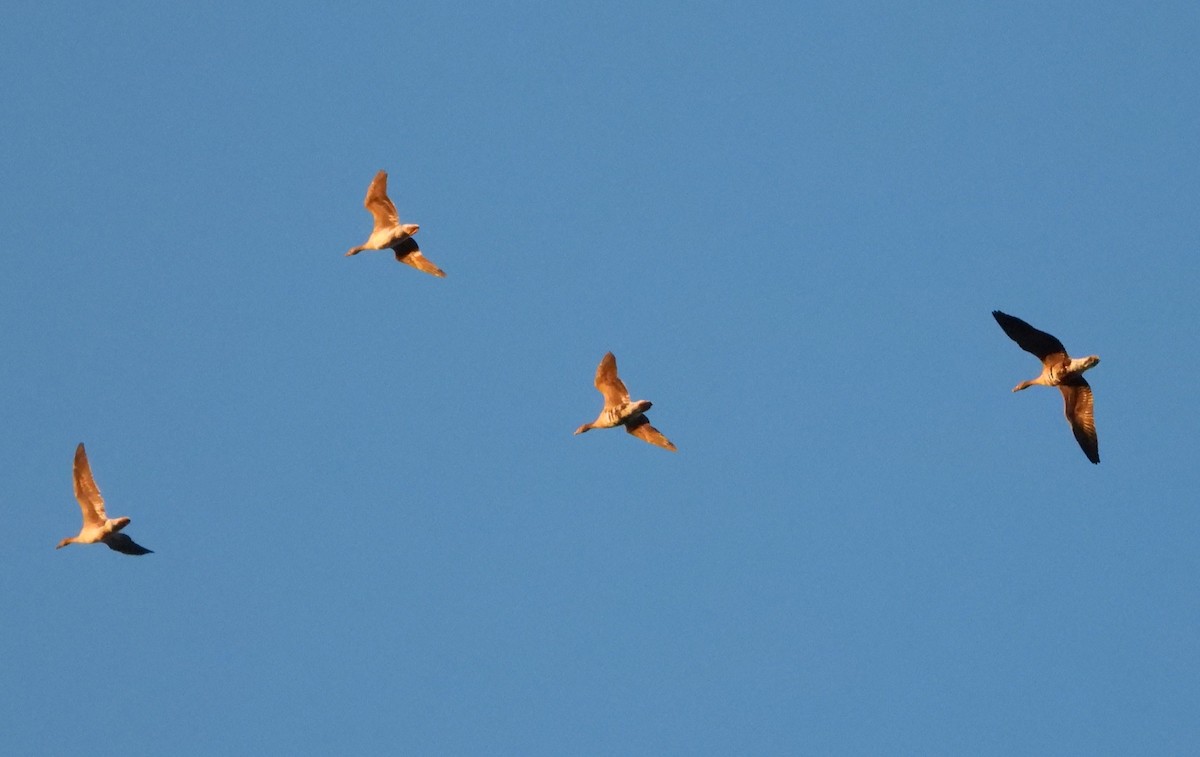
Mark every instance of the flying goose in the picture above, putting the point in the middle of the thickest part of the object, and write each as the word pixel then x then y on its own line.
pixel 619 410
pixel 389 233
pixel 97 526
pixel 1058 369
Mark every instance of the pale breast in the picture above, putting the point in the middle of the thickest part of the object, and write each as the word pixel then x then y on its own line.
pixel 1057 371
pixel 385 238
pixel 91 534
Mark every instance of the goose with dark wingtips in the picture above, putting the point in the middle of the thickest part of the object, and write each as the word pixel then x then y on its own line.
pixel 97 526
pixel 1058 369
pixel 619 410
pixel 389 233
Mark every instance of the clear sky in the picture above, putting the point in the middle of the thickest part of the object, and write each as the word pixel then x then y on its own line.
pixel 373 529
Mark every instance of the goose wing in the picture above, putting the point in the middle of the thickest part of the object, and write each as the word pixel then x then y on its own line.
pixel 87 492
pixel 641 428
pixel 1077 406
pixel 409 253
pixel 609 384
pixel 123 544
pixel 1044 346
pixel 379 204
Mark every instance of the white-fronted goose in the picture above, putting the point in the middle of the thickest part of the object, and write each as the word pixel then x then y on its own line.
pixel 1058 369
pixel 619 410
pixel 97 526
pixel 389 233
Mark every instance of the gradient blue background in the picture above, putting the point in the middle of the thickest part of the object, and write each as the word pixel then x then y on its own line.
pixel 374 531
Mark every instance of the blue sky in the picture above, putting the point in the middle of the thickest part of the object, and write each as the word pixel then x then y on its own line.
pixel 373 529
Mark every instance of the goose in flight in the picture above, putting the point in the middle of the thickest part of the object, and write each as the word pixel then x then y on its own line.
pixel 97 526
pixel 389 233
pixel 619 410
pixel 1058 369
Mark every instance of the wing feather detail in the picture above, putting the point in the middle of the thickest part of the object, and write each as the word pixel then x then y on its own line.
pixel 641 428
pixel 409 253
pixel 379 204
pixel 609 384
pixel 1077 406
pixel 86 491
pixel 1045 347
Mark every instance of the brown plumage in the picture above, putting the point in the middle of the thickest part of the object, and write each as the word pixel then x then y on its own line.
pixel 97 526
pixel 389 233
pixel 1058 369
pixel 619 410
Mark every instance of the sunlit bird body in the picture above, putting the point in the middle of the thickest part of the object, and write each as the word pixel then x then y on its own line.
pixel 1058 369
pixel 389 233
pixel 97 526
pixel 619 410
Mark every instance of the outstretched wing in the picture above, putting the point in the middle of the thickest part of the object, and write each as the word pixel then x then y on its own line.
pixel 87 492
pixel 1031 340
pixel 641 428
pixel 409 253
pixel 1077 406
pixel 609 384
pixel 379 204
pixel 123 544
